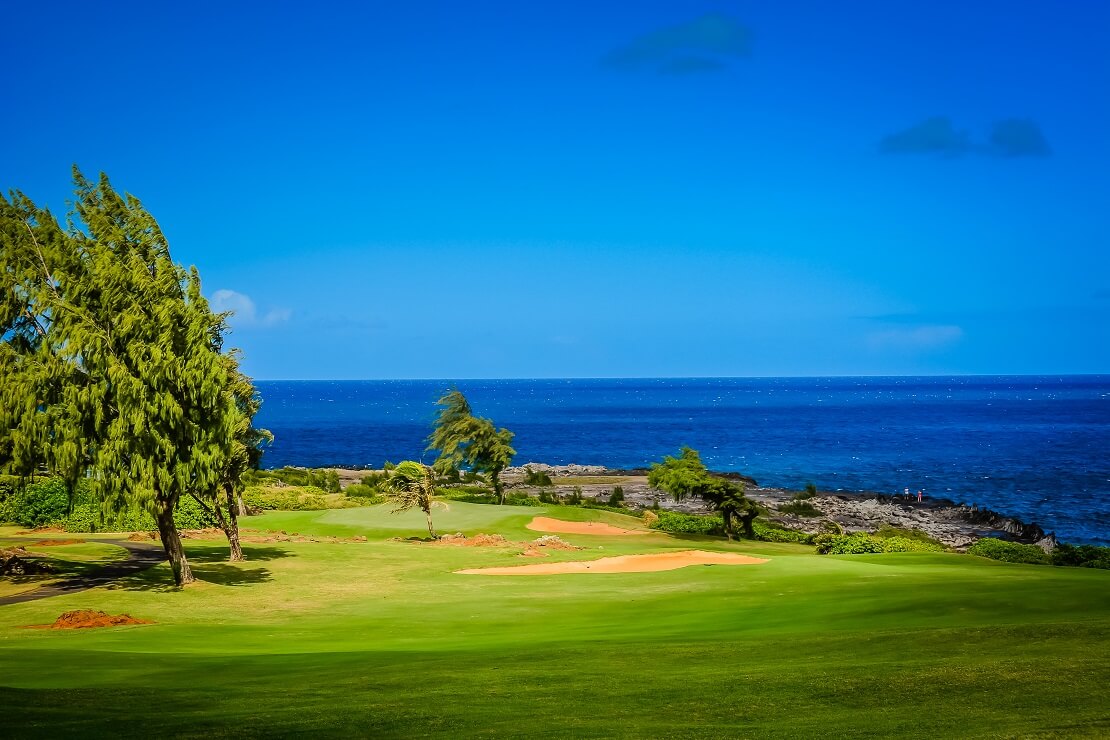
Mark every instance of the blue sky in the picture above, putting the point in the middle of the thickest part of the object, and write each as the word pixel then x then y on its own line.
pixel 553 189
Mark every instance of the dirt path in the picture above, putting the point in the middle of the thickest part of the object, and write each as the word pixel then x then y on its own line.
pixel 141 555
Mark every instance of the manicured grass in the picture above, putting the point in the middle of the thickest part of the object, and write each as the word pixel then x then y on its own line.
pixel 383 638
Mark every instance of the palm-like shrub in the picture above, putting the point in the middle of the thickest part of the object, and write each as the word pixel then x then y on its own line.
pixel 411 485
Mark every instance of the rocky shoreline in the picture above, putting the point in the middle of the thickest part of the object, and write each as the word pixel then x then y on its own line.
pixel 954 524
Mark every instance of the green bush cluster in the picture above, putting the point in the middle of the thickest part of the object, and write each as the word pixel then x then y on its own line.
pixel 324 479
pixel 800 508
pixel 46 503
pixel 677 523
pixel 1082 556
pixel 862 543
pixel 536 478
pixel 771 533
pixel 368 495
pixel 616 496
pixel 295 498
pixel 1009 552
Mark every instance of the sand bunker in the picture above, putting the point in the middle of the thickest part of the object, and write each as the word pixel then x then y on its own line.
pixel 547 524
pixel 89 618
pixel 622 564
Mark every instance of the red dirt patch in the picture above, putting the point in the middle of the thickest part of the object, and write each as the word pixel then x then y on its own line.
pixel 56 543
pixel 89 618
pixel 143 536
pixel 43 530
pixel 649 563
pixel 559 526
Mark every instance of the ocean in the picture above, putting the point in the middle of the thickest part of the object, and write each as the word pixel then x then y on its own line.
pixel 1037 448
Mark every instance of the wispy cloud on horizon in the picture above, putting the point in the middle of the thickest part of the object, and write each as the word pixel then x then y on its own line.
pixel 1009 138
pixel 705 44
pixel 915 338
pixel 244 312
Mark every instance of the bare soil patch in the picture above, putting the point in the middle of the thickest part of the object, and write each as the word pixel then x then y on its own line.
pixel 537 548
pixel 547 524
pixel 56 543
pixel 88 619
pixel 649 563
pixel 43 530
pixel 14 562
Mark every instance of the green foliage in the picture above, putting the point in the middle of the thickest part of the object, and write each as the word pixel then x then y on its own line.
pixel 1009 552
pixel 375 480
pixel 887 532
pixel 36 504
pixel 548 497
pixel 616 497
pixel 369 495
pixel 574 498
pixel 116 373
pixel 858 543
pixel 324 479
pixel 770 532
pixel 462 438
pixel 686 476
pixel 292 498
pixel 1083 556
pixel 536 478
pixel 800 508
pixel 678 523
pixel 809 492
pixel 907 544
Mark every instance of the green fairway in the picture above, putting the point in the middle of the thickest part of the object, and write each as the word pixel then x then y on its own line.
pixel 383 638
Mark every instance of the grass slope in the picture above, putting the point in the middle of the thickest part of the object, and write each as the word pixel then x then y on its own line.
pixel 382 638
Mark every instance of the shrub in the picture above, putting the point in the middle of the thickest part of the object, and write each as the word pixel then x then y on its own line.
pixel 799 508
pixel 650 518
pixel 771 533
pixel 906 544
pixel 536 478
pixel 37 504
pixel 547 497
pixel 1009 552
pixel 888 532
pixel 673 521
pixel 809 492
pixel 859 543
pixel 575 497
pixel 617 496
pixel 1083 556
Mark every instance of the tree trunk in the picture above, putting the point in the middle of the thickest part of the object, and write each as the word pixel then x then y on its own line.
pixel 240 507
pixel 171 541
pixel 431 529
pixel 230 526
pixel 746 520
pixel 727 516
pixel 495 476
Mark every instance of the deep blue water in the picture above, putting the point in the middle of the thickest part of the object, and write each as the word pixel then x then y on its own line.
pixel 1034 447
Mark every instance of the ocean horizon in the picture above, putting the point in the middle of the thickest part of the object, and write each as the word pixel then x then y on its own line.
pixel 1033 447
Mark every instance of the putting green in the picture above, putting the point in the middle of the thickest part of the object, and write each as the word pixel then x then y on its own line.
pixel 383 638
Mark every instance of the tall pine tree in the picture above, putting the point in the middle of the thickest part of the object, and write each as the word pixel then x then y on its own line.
pixel 116 371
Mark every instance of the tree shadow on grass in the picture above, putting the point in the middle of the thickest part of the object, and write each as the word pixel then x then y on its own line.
pixel 225 574
pixel 252 553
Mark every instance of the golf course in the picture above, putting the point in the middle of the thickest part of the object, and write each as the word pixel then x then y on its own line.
pixel 345 621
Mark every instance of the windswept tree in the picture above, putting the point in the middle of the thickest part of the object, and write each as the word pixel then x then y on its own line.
pixel 686 476
pixel 464 439
pixel 224 502
pixel 115 373
pixel 412 485
pixel 490 451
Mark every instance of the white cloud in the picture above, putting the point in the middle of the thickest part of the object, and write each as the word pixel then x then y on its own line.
pixel 244 312
pixel 915 338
